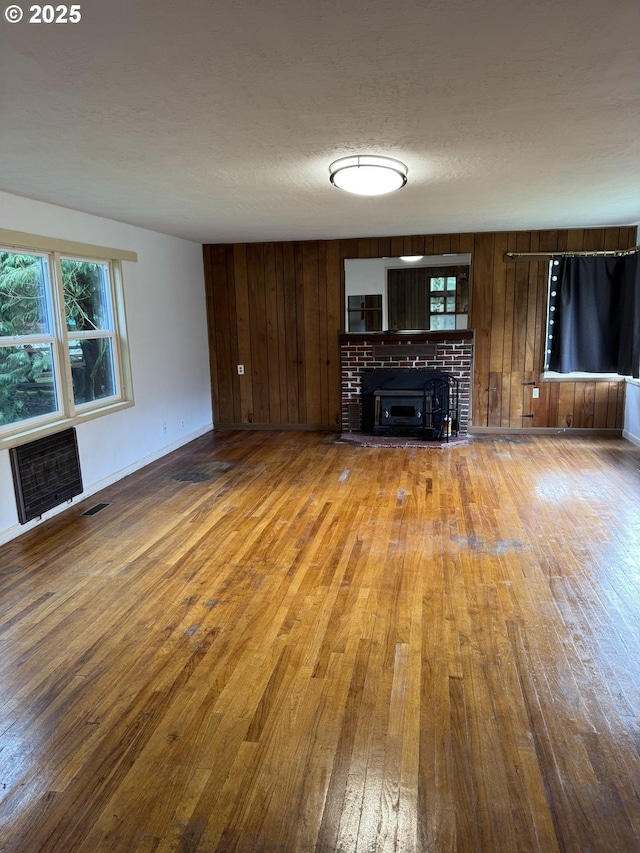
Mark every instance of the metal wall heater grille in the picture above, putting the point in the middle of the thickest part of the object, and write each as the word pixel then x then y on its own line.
pixel 354 416
pixel 46 473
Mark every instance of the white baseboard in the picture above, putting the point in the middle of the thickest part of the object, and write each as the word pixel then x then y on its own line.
pixel 17 529
pixel 141 463
pixel 634 439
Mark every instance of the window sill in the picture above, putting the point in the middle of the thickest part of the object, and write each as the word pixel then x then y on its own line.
pixel 15 439
pixel 576 376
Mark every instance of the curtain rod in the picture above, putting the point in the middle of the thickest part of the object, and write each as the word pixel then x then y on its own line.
pixel 532 256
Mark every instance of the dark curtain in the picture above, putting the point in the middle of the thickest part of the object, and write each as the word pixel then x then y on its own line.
pixel 594 315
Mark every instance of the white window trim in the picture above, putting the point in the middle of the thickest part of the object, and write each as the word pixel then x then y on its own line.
pixel 19 240
pixel 22 432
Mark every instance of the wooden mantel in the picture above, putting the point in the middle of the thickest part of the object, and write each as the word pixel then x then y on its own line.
pixel 408 337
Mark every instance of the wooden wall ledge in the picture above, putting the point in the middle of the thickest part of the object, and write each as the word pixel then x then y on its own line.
pixel 407 337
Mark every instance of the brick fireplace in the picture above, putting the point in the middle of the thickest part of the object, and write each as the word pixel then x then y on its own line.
pixel 449 352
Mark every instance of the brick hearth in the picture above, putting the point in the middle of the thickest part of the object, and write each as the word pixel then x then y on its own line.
pixel 450 352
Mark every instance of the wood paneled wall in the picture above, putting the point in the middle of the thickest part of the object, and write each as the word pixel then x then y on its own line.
pixel 277 308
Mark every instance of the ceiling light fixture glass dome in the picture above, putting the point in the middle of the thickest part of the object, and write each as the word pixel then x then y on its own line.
pixel 368 174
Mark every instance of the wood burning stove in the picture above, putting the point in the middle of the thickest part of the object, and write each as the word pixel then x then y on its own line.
pixel 411 402
pixel 395 409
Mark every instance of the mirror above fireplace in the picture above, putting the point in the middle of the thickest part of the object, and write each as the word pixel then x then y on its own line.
pixel 427 293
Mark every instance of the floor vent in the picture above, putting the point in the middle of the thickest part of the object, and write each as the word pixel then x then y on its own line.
pixel 203 472
pixel 95 509
pixel 192 477
pixel 46 473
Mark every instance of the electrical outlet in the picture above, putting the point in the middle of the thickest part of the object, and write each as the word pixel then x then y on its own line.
pixel 535 393
pixel 241 370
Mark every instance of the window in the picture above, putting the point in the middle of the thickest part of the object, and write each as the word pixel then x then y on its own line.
pixel 593 317
pixel 442 301
pixel 63 355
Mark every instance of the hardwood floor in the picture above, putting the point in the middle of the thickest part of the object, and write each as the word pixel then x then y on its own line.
pixel 280 643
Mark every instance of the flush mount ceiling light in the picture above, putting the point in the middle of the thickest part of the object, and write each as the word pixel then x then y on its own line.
pixel 368 174
pixel 411 259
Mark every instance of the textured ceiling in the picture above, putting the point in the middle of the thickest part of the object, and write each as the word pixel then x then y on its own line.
pixel 217 121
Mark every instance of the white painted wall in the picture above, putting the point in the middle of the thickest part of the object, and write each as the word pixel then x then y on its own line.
pixel 167 330
pixel 632 411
